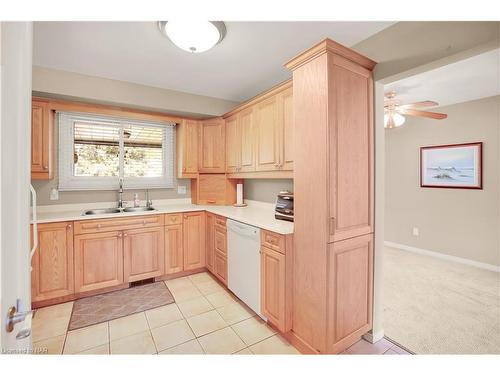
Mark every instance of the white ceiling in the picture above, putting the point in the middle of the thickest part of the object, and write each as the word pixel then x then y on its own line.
pixel 249 60
pixel 470 79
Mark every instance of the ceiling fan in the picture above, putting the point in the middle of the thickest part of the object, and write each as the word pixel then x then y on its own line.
pixel 395 112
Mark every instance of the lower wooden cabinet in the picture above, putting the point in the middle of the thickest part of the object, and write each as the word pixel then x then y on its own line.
pixel 98 261
pixel 220 267
pixel 349 291
pixel 194 240
pixel 272 272
pixel 144 253
pixel 209 245
pixel 52 275
pixel 174 254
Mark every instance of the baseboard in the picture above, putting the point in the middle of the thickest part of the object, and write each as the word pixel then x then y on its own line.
pixel 373 337
pixel 451 258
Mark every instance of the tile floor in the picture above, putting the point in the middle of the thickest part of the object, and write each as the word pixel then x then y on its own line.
pixel 205 319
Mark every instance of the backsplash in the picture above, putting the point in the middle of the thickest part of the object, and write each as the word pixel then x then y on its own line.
pixel 265 190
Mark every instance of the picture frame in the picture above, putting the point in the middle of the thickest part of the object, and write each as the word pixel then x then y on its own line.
pixel 453 166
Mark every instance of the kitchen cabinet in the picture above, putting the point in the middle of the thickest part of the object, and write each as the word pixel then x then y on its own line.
pixel 187 138
pixel 349 290
pixel 213 189
pixel 267 137
pixel 194 240
pixel 143 253
pixel 220 249
pixel 209 244
pixel 41 140
pixel 52 275
pixel 174 253
pixel 285 101
pixel 220 267
pixel 212 147
pixel 273 286
pixel 98 261
pixel 332 103
pixel 240 142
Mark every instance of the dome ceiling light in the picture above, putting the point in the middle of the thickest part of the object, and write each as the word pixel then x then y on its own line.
pixel 193 36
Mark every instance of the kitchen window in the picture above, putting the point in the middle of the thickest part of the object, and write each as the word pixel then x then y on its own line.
pixel 96 151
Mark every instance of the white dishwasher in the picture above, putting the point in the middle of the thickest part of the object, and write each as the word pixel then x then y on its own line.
pixel 243 263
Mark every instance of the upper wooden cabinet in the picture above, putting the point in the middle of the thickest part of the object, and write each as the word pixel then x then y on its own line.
pixel 143 253
pixel 187 148
pixel 259 136
pixel 41 140
pixel 211 152
pixel 52 275
pixel 194 240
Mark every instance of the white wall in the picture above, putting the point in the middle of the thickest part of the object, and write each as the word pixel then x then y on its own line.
pixel 457 222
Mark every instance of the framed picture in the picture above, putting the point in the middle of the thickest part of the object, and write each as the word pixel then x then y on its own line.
pixel 452 166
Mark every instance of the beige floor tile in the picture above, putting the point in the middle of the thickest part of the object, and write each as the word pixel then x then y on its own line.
pixel 207 322
pixel 102 349
pixel 185 293
pixel 223 341
pixel 53 345
pixel 221 298
pixel 128 325
pixel 140 343
pixel 273 345
pixel 201 277
pixel 42 329
pixel 235 312
pixel 190 347
pixel 364 347
pixel 179 283
pixel 244 351
pixel 163 315
pixel 209 287
pixel 62 310
pixel 195 306
pixel 253 330
pixel 86 338
pixel 171 335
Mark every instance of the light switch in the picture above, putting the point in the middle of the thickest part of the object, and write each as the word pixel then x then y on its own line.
pixel 415 232
pixel 181 189
pixel 54 194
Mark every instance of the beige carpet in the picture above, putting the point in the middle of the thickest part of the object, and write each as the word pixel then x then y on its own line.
pixel 432 306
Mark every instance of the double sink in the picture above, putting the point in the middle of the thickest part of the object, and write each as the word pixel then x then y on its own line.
pixel 103 211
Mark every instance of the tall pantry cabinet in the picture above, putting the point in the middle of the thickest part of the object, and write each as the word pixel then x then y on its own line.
pixel 333 191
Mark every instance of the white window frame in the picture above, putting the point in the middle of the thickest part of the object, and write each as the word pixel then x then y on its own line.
pixel 69 182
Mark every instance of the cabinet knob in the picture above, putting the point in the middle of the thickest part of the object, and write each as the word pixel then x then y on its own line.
pixel 276 165
pixel 174 218
pixel 144 222
pixel 69 226
pixel 125 234
pixel 98 226
pixel 184 169
pixel 120 235
pixel 45 167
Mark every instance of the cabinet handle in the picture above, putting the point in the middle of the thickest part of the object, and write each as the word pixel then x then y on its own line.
pixel 174 218
pixel 98 226
pixel 144 222
pixel 45 167
pixel 211 201
pixel 276 165
pixel 184 169
pixel 125 234
pixel 332 225
pixel 120 235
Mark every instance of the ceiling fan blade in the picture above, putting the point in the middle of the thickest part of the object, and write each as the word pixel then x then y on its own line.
pixel 426 103
pixel 416 112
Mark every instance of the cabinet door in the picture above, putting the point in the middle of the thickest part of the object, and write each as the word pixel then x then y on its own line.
pixel 98 261
pixel 212 146
pixel 220 238
pixel 52 275
pixel 349 291
pixel 174 254
pixel 233 144
pixel 220 267
pixel 209 246
pixel 194 240
pixel 247 140
pixel 143 251
pixel 191 150
pixel 267 135
pixel 351 155
pixel 286 135
pixel 41 143
pixel 273 286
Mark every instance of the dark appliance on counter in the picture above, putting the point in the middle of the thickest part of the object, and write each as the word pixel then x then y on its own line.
pixel 284 206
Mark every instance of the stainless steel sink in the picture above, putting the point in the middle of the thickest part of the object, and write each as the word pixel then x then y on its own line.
pixel 101 211
pixel 138 209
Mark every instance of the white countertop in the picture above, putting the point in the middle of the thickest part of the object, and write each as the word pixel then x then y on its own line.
pixel 258 214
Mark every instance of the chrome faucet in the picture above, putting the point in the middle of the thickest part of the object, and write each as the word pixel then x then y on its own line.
pixel 149 203
pixel 120 194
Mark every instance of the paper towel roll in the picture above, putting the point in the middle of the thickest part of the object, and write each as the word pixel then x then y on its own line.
pixel 239 194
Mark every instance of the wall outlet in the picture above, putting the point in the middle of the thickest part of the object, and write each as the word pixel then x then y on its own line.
pixel 54 194
pixel 415 232
pixel 181 189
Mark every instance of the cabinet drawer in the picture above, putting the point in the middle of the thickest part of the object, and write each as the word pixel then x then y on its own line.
pixel 220 220
pixel 273 241
pixel 220 267
pixel 220 240
pixel 171 219
pixel 106 225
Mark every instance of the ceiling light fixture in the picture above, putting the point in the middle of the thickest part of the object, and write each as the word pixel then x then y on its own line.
pixel 194 36
pixel 393 119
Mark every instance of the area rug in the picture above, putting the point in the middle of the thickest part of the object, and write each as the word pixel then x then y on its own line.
pixel 433 306
pixel 101 308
